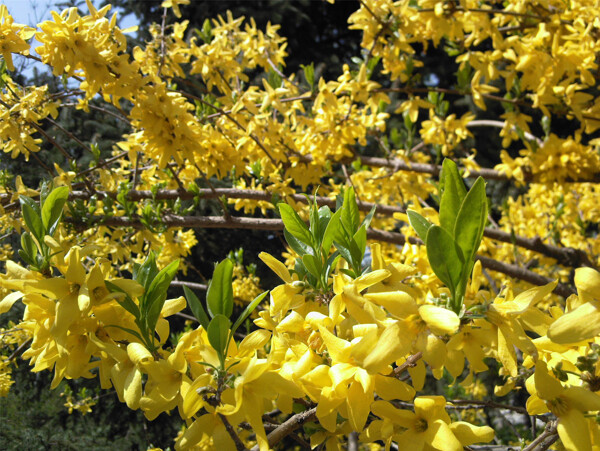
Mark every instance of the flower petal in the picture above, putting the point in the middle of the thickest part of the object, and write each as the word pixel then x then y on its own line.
pixel 573 431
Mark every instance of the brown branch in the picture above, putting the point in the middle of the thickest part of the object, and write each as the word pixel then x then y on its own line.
pixel 566 256
pixel 473 404
pixel 410 362
pixel 289 426
pixel 19 349
pixel 194 285
pixel 240 222
pixel 545 439
pixel 238 443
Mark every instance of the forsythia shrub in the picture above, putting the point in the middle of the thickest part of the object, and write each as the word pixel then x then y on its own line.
pixel 395 329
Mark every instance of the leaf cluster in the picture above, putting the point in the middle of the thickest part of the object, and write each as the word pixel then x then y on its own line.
pixel 451 246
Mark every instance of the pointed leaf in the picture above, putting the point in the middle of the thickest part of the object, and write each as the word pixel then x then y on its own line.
pixel 28 245
pixel 331 231
pixel 471 220
pixel 31 215
pixel 296 245
pixel 419 223
pixel 127 303
pixel 360 238
pixel 445 257
pixel 218 334
pixel 452 193
pixel 52 208
pixel 324 218
pixel 367 221
pixel 219 296
pixel 145 273
pixel 312 265
pixel 196 307
pixel 157 293
pixel 294 224
pixel 350 215
pixel 247 311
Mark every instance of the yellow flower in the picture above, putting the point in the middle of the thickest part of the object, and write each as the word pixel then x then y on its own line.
pixel 583 321
pixel 175 5
pixel 508 316
pixel 428 427
pixel 568 404
pixel 13 37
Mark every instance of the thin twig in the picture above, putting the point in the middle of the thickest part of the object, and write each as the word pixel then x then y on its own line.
pixel 410 362
pixel 289 426
pixel 239 445
pixel 545 439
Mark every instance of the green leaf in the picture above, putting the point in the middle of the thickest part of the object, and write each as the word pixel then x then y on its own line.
pixel 309 74
pixel 28 245
pixel 356 257
pixel 294 224
pixel 297 246
pixel 452 193
pixel 360 238
pixel 312 265
pixel 52 209
pixel 157 293
pixel 196 307
pixel 324 218
pixel 218 334
pixel 471 220
pixel 247 311
pixel 219 296
pixel 314 222
pixel 331 231
pixel 419 223
pixel 31 214
pixel 127 303
pixel 331 264
pixel 445 257
pixel 350 215
pixel 344 251
pixel 27 258
pixel 367 221
pixel 145 273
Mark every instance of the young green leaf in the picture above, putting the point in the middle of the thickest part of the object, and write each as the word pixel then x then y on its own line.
pixel 331 231
pixel 52 208
pixel 27 258
pixel 445 257
pixel 367 221
pixel 297 246
pixel 219 296
pixel 145 273
pixel 350 214
pixel 314 221
pixel 452 193
pixel 312 265
pixel 247 311
pixel 31 215
pixel 294 224
pixel 218 334
pixel 419 223
pixel 324 218
pixel 196 307
pixel 157 293
pixel 28 244
pixel 126 302
pixel 360 238
pixel 471 220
